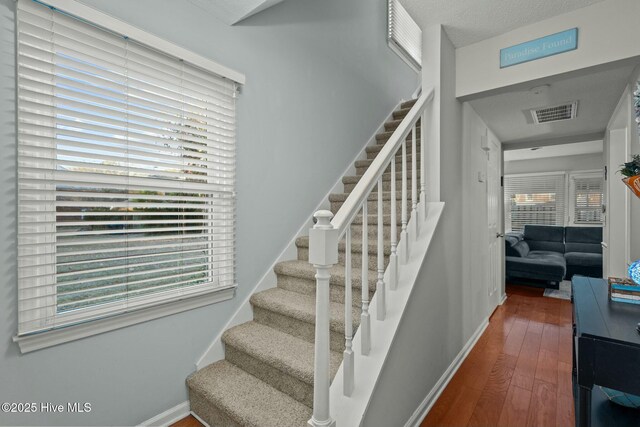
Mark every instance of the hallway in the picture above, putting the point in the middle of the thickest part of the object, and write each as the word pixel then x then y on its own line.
pixel 518 373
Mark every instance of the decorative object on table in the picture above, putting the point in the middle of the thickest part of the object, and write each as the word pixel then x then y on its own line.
pixel 620 398
pixel 634 271
pixel 624 290
pixel 631 170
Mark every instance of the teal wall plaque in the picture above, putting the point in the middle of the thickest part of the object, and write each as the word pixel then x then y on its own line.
pixel 553 44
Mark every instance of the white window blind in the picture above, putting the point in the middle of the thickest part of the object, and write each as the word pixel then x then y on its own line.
pixel 587 200
pixel 126 174
pixel 534 199
pixel 404 33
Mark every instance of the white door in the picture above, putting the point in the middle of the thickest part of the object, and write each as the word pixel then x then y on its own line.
pixel 495 232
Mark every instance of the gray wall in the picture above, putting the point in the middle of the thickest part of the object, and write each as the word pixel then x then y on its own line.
pixel 555 164
pixel 635 201
pixel 434 327
pixel 320 79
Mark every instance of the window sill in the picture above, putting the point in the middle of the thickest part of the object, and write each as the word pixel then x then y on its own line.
pixel 54 337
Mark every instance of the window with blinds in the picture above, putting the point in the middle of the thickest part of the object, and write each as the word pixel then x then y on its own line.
pixel 534 199
pixel 587 200
pixel 126 173
pixel 404 34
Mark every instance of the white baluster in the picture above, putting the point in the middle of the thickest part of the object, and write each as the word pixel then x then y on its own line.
pixel 404 250
pixel 365 322
pixel 393 258
pixel 348 356
pixel 380 288
pixel 323 253
pixel 414 185
pixel 423 150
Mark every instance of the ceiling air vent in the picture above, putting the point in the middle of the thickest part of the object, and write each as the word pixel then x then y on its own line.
pixel 555 113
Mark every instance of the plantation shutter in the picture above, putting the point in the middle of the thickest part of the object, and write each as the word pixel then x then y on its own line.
pixel 404 33
pixel 534 199
pixel 588 200
pixel 126 173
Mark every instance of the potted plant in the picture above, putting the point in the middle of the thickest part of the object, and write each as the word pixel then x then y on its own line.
pixel 631 171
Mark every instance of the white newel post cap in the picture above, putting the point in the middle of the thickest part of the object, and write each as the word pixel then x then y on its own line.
pixel 323 240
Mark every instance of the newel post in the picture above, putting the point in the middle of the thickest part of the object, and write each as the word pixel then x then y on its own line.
pixel 323 253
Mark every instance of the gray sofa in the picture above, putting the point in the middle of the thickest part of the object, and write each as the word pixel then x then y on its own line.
pixel 546 255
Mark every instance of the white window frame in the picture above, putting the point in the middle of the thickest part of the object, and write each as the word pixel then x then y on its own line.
pixel 595 173
pixel 394 9
pixel 146 310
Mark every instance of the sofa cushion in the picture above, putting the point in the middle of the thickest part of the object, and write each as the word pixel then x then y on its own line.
pixel 591 235
pixel 520 249
pixel 543 268
pixel 513 238
pixel 583 247
pixel 583 259
pixel 549 256
pixel 548 238
pixel 546 233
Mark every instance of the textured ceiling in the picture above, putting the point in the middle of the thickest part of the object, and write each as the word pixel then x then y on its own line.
pixel 471 21
pixel 508 114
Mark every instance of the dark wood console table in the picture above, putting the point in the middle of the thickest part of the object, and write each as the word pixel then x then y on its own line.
pixel 606 352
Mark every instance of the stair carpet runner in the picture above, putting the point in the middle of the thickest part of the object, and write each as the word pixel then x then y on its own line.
pixel 266 378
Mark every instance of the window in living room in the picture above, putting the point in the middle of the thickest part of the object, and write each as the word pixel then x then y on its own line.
pixel 537 199
pixel 587 199
pixel 126 173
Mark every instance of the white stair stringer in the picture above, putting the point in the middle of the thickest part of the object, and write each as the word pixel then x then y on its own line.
pixel 350 411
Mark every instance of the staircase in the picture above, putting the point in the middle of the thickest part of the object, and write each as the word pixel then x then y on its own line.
pixel 267 376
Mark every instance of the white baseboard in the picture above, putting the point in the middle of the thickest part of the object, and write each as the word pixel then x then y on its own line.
pixel 169 416
pixel 503 299
pixel 244 313
pixel 438 388
pixel 203 422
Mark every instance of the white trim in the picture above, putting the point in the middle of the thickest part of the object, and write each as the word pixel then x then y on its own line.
pixel 53 337
pixel 503 299
pixel 170 416
pixel 244 313
pixel 404 56
pixel 428 402
pixel 111 23
pixel 535 174
pixel 197 417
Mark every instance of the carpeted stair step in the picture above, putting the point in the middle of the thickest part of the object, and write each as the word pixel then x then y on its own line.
pixel 302 244
pixel 350 181
pixel 338 199
pixel 295 314
pixel 392 125
pixel 401 113
pixel 300 276
pixel 222 394
pixel 408 104
pixel 383 137
pixel 374 150
pixel 363 165
pixel 280 360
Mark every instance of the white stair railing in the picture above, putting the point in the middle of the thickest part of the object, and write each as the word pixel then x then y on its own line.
pixel 325 236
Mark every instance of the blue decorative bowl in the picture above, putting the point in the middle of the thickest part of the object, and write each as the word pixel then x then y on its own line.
pixel 620 398
pixel 634 271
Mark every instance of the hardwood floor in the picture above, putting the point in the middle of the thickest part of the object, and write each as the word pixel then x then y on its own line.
pixel 519 372
pixel 188 421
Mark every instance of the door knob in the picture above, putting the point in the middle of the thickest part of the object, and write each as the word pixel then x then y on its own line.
pixel 498 235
